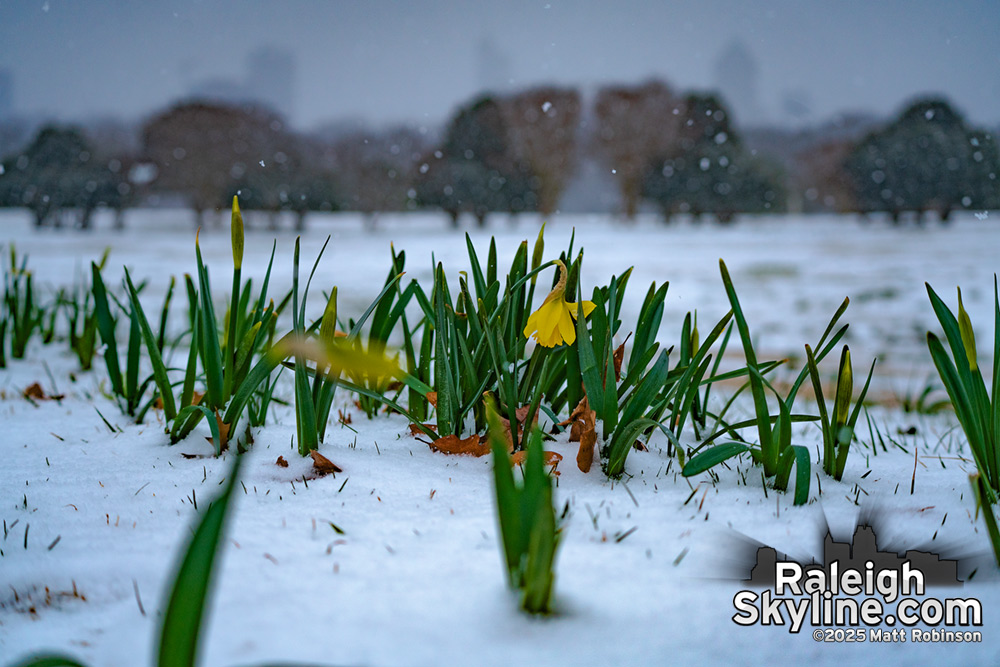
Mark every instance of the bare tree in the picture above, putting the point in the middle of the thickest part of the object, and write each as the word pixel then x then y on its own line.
pixel 204 151
pixel 376 170
pixel 820 178
pixel 542 126
pixel 636 125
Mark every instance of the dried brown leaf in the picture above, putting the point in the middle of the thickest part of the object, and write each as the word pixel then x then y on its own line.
pixel 35 392
pixel 585 455
pixel 520 414
pixel 453 445
pixel 619 356
pixel 281 462
pixel 552 460
pixel 581 418
pixel 196 397
pixel 224 429
pixel 323 465
pixel 415 430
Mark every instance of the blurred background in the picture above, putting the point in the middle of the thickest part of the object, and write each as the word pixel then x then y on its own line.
pixel 689 110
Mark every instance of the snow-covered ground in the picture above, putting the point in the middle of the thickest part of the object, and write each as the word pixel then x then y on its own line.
pixel 416 578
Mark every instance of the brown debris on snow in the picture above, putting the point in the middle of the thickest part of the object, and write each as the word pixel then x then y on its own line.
pixel 35 392
pixel 415 430
pixel 552 460
pixel 583 429
pixel 323 465
pixel 453 445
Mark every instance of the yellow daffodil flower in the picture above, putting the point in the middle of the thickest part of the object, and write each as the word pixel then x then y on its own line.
pixel 553 323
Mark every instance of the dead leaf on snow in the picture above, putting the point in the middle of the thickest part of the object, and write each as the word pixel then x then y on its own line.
pixel 585 455
pixel 224 429
pixel 35 392
pixel 552 460
pixel 520 415
pixel 432 398
pixel 323 465
pixel 415 430
pixel 581 417
pixel 281 462
pixel 584 431
pixel 453 445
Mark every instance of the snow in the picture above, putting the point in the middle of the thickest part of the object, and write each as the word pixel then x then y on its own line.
pixel 417 577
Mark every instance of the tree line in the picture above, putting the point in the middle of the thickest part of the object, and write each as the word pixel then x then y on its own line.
pixel 681 153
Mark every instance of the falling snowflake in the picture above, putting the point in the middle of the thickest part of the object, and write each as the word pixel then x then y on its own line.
pixel 262 163
pixel 546 106
pixel 983 215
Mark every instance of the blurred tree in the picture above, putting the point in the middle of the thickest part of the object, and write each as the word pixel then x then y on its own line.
pixel 58 173
pixel 542 125
pixel 476 169
pixel 926 160
pixel 819 177
pixel 376 170
pixel 312 189
pixel 636 126
pixel 985 171
pixel 709 171
pixel 204 152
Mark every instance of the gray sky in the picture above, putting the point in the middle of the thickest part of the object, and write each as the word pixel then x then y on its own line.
pixel 412 60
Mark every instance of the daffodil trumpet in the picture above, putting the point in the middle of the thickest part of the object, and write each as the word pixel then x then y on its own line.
pixel 553 323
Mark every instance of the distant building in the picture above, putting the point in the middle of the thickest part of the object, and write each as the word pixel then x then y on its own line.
pixel 493 68
pixel 269 80
pixel 6 94
pixel 736 75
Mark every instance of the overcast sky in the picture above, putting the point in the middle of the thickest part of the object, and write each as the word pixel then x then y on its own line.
pixel 411 60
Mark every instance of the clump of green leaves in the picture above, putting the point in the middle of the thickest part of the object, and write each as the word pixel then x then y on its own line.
pixel 774 450
pixel 80 312
pixel 838 428
pixel 22 316
pixel 621 400
pixel 529 528
pixel 310 400
pixel 978 413
pixel 226 361
pixel 333 356
pixel 126 386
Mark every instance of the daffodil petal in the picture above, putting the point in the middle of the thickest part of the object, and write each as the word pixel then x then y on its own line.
pixel 553 323
pixel 588 307
pixel 567 330
pixel 544 323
